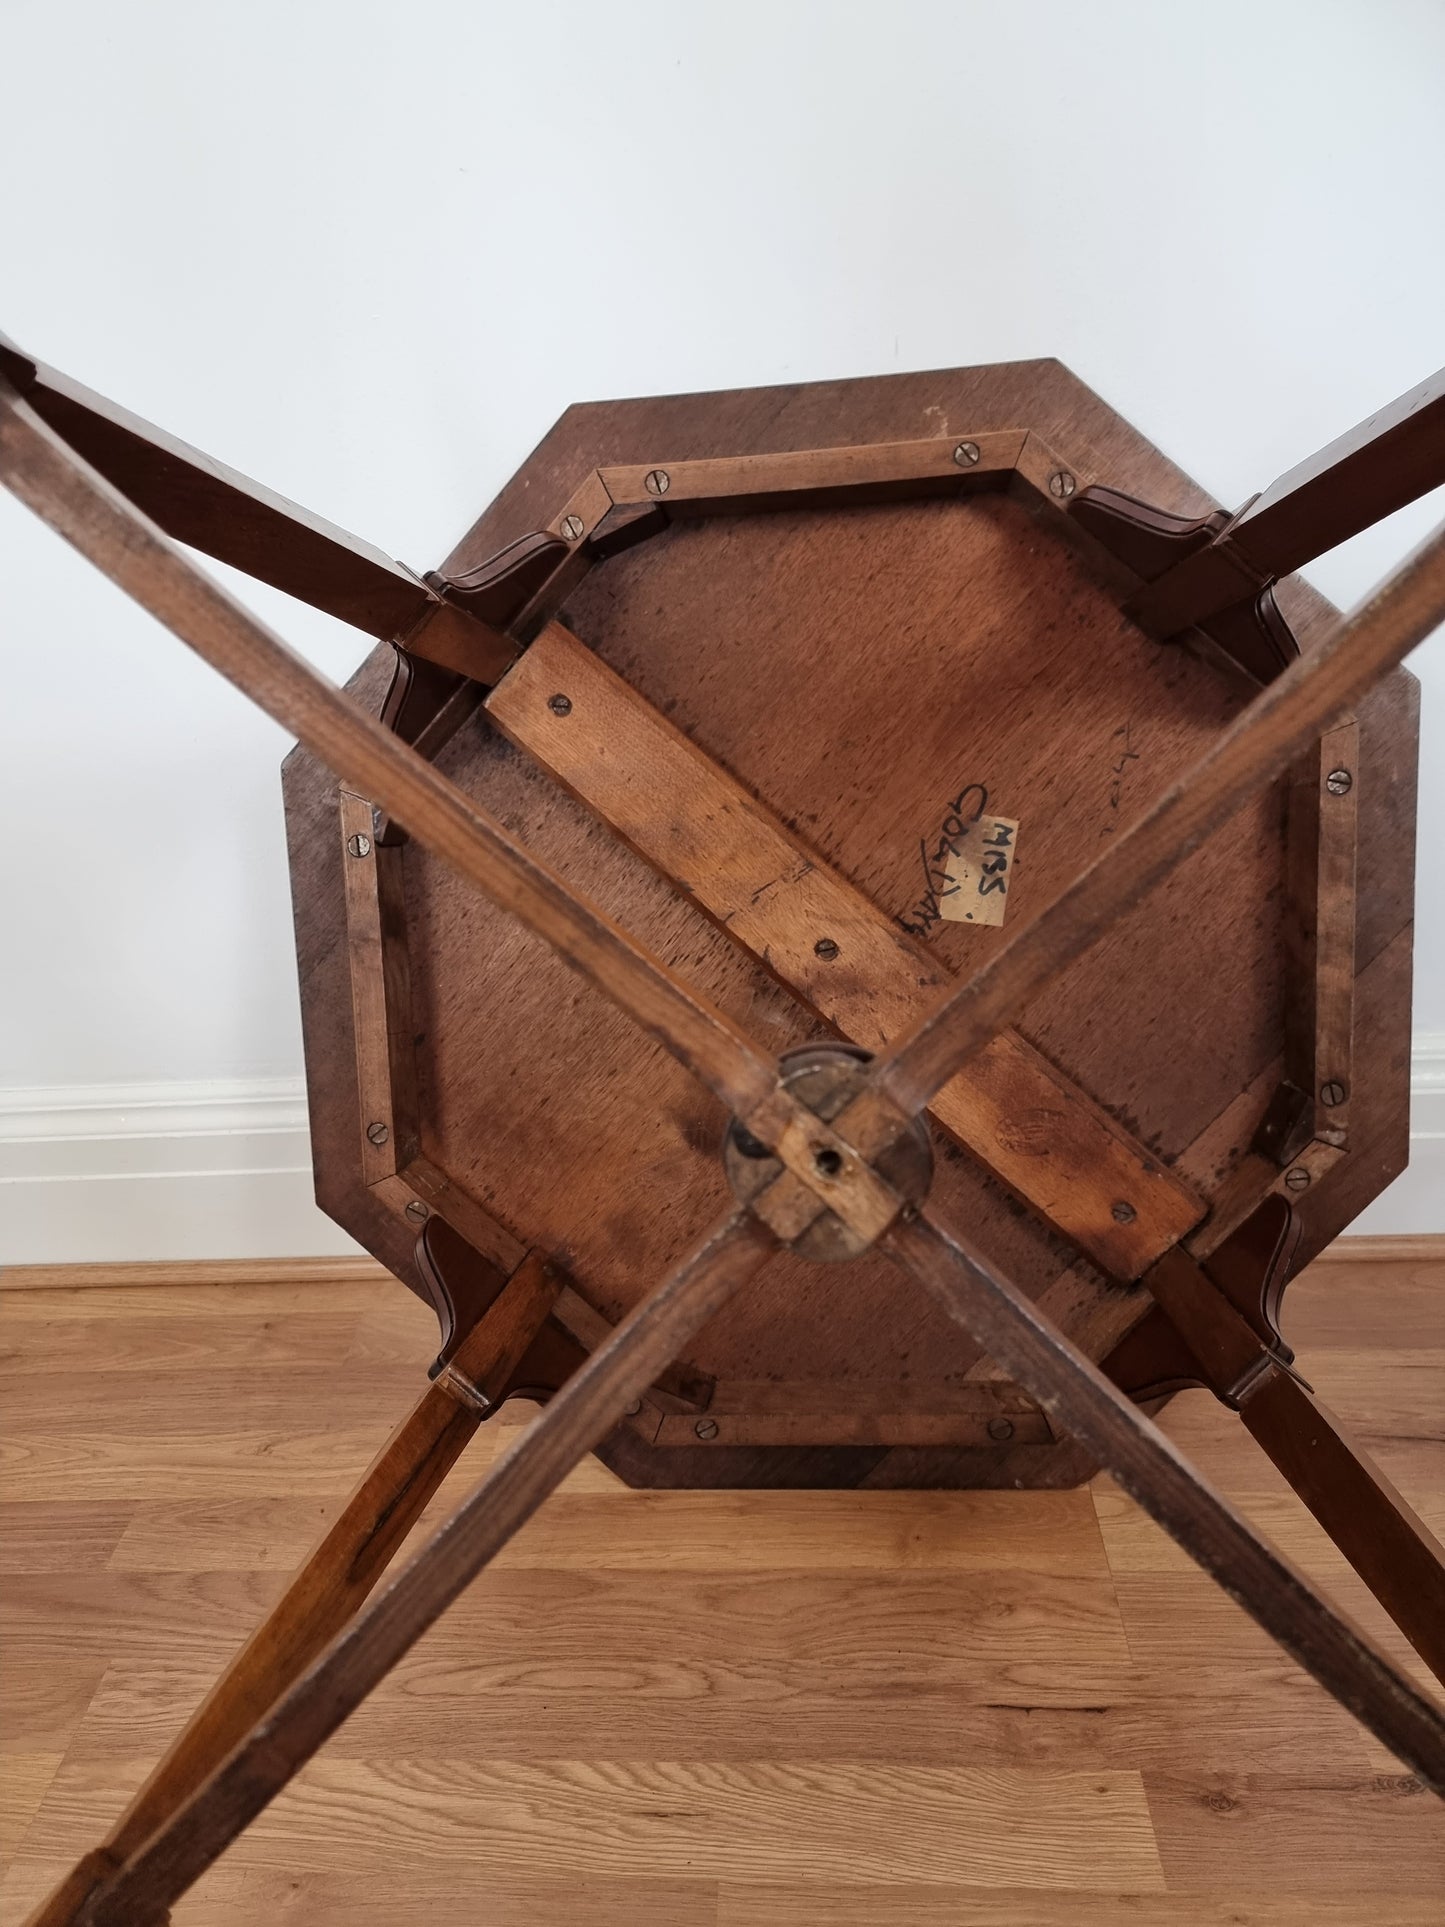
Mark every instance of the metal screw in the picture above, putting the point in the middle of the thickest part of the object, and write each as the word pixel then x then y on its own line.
pixel 1297 1180
pixel 560 705
pixel 572 527
pixel 1339 782
pixel 359 845
pixel 377 1133
pixel 706 1428
pixel 658 481
pixel 1124 1213
pixel 826 949
pixel 1000 1429
pixel 1062 484
pixel 417 1211
pixel 631 1411
pixel 1333 1093
pixel 966 454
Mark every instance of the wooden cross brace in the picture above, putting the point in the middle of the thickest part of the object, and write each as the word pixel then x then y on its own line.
pixel 113 487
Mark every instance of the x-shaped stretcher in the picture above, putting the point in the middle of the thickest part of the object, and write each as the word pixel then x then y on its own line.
pixel 827 1151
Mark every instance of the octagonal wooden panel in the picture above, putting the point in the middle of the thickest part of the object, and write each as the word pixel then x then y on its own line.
pixel 854 669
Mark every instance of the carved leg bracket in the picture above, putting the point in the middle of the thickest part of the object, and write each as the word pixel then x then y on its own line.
pixel 1214 1325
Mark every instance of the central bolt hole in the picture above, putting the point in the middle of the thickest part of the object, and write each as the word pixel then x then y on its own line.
pixel 828 1163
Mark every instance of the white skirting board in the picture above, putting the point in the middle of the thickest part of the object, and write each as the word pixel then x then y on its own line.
pixel 1415 1202
pixel 116 1173
pixel 222 1169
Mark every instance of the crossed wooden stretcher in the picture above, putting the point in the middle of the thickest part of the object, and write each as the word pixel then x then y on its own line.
pixel 844 1174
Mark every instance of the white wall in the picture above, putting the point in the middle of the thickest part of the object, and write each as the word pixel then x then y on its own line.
pixel 368 252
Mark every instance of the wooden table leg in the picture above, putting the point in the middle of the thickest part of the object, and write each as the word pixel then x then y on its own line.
pixel 271 1749
pixel 336 1578
pixel 1203 1334
pixel 1082 1402
pixel 1378 1531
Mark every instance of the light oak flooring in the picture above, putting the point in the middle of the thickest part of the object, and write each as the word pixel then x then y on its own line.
pixel 694 1710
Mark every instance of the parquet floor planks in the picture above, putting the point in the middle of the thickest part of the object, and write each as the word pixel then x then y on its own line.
pixel 694 1709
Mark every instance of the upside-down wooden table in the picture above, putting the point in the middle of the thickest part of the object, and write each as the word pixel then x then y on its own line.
pixel 922 748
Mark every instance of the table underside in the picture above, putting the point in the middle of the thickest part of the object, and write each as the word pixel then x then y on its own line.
pixel 855 669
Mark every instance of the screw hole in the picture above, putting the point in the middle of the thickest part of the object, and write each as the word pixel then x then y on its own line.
pixel 828 1163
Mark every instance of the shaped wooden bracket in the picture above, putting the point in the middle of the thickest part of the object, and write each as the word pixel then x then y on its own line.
pixel 1251 628
pixel 1216 572
pixel 1216 1325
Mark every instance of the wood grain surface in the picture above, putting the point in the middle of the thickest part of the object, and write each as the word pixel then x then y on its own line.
pixel 853 668
pixel 839 953
pixel 702 1709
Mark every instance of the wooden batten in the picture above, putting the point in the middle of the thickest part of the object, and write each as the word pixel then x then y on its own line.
pixel 821 937
pixel 388 1131
pixel 387 1127
pixel 819 477
pixel 1320 931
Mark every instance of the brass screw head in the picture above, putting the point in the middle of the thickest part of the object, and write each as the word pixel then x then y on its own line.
pixel 359 845
pixel 658 481
pixel 560 705
pixel 966 454
pixel 572 527
pixel 1339 782
pixel 1000 1429
pixel 706 1428
pixel 1297 1180
pixel 1062 484
pixel 417 1211
pixel 826 949
pixel 1123 1212
pixel 377 1134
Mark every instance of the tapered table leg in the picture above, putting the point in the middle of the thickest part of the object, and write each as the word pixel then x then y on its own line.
pixel 1389 1546
pixel 1083 1403
pixel 336 1578
pixel 272 1749
pixel 1374 1526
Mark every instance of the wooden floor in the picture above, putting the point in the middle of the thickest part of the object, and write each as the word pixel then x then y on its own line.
pixel 694 1710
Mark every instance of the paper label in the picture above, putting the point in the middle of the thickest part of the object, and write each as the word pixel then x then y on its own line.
pixel 980 872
